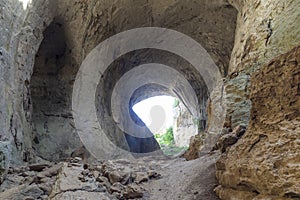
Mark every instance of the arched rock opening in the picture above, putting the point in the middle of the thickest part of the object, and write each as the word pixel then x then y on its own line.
pixel 147 83
pixel 210 24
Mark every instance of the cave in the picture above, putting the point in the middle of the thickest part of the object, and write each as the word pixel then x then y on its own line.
pixel 55 72
pixel 71 73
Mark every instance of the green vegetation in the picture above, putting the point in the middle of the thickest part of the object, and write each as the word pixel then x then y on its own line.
pixel 167 138
pixel 167 143
pixel 176 103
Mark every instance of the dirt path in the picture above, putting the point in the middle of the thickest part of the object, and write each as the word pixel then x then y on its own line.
pixel 185 180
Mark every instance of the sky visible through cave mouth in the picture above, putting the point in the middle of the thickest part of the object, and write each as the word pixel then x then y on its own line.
pixel 25 3
pixel 161 110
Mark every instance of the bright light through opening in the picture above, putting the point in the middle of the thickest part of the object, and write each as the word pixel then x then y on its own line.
pixel 25 3
pixel 149 107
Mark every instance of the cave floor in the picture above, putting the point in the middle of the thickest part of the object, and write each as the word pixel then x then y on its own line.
pixel 149 178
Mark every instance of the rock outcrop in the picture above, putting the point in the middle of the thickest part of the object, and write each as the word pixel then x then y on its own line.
pixel 250 169
pixel 265 29
pixel 264 163
pixel 30 182
pixel 119 179
pixel 21 32
pixel 195 146
pixel 185 126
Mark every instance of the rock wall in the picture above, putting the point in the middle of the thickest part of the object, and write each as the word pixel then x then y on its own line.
pixel 21 33
pixel 265 29
pixel 101 19
pixel 257 167
pixel 264 164
pixel 29 123
pixel 51 89
pixel 185 126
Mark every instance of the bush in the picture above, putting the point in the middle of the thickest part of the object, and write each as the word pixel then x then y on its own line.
pixel 167 138
pixel 167 143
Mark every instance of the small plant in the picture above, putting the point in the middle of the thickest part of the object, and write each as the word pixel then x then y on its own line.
pixel 167 143
pixel 167 138
pixel 176 103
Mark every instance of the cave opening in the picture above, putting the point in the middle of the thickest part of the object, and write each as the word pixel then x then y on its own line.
pixel 25 3
pixel 59 59
pixel 169 120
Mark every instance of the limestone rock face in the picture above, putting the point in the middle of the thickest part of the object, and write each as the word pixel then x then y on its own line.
pixel 264 163
pixel 33 182
pixel 118 179
pixel 265 29
pixel 185 126
pixel 37 80
pixel 229 138
pixel 21 32
pixel 196 143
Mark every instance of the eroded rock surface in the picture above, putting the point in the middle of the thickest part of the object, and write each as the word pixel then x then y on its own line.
pixel 37 79
pixel 264 163
pixel 36 83
pixel 31 182
pixel 148 178
pixel 265 29
pixel 185 125
pixel 195 146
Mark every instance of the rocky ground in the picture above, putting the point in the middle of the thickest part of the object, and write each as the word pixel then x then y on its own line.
pixel 144 178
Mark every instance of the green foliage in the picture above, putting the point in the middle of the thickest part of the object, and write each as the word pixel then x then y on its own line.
pixel 167 143
pixel 167 138
pixel 176 103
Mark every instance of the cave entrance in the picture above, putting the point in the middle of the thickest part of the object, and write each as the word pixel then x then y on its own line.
pixel 170 122
pixel 25 3
pixel 64 104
